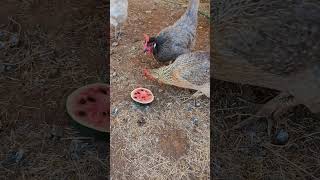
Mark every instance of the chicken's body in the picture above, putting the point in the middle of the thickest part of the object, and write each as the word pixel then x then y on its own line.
pixel 178 38
pixel 270 43
pixel 191 71
pixel 118 15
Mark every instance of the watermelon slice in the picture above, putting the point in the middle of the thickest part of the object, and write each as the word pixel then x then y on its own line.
pixel 142 95
pixel 89 106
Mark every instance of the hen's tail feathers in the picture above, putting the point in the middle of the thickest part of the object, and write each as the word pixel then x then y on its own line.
pixel 205 89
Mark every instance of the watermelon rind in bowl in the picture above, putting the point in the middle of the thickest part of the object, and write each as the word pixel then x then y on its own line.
pixel 142 95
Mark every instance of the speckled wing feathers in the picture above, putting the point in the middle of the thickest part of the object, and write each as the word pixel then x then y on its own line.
pixel 280 37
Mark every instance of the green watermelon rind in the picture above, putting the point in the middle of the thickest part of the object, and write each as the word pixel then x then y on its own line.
pixel 82 123
pixel 89 132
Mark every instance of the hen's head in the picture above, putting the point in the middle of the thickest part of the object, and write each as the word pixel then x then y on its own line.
pixel 149 44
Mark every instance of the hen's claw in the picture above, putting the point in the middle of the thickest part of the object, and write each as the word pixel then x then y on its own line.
pixel 195 96
pixel 272 110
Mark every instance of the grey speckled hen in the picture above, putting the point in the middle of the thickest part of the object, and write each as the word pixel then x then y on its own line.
pixel 176 39
pixel 270 43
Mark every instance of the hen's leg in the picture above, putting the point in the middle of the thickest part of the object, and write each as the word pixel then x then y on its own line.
pixel 272 110
pixel 195 96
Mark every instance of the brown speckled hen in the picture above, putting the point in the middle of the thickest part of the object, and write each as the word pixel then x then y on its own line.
pixel 270 43
pixel 191 71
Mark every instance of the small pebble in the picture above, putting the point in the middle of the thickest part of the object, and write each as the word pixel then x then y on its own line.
pixel 19 155
pixel 148 12
pixel 114 74
pixel 197 104
pixel 141 121
pixel 114 111
pixel 13 158
pixel 56 132
pixel 195 121
pixel 189 109
pixel 114 44
pixel 281 137
pixel 10 67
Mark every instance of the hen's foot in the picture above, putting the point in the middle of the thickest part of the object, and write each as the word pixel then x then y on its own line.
pixel 272 110
pixel 195 96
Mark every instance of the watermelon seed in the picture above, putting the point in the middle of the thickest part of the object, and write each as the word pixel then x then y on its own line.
pixel 135 97
pixel 82 101
pixel 82 113
pixel 91 99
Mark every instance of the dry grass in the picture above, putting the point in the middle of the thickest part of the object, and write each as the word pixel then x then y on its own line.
pixel 44 158
pixel 160 141
pixel 137 151
pixel 249 153
pixel 61 47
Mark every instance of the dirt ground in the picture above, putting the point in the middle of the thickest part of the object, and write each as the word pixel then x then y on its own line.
pixel 48 49
pixel 170 138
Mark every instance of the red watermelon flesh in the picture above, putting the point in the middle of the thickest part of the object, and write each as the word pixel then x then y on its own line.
pixel 89 106
pixel 142 95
